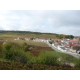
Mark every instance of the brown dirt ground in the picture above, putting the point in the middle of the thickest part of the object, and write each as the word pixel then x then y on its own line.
pixel 37 49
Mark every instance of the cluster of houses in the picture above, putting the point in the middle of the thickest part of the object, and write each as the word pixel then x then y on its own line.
pixel 68 45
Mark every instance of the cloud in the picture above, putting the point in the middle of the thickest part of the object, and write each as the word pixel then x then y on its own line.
pixel 63 22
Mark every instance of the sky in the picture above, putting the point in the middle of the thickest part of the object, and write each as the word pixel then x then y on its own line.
pixel 51 21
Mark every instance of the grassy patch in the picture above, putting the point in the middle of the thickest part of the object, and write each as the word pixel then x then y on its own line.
pixel 30 43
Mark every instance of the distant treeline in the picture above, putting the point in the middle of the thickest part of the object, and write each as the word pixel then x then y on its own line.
pixel 60 36
pixel 25 32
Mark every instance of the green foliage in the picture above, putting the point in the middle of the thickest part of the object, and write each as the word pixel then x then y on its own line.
pixel 25 46
pixel 49 59
pixel 1 48
pixel 45 58
pixel 61 36
pixel 14 52
pixel 78 64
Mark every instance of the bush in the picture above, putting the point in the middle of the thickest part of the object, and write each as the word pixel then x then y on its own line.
pixel 14 52
pixel 78 64
pixel 44 58
pixel 47 59
pixel 1 47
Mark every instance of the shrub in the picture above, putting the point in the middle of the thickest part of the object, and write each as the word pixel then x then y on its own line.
pixel 1 47
pixel 14 52
pixel 78 64
pixel 48 59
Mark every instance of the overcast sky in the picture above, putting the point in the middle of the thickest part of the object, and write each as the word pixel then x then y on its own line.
pixel 63 22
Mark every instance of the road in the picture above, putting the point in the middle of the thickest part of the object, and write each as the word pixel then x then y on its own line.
pixel 70 53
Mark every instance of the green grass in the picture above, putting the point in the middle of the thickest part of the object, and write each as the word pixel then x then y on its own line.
pixel 13 35
pixel 51 58
pixel 62 56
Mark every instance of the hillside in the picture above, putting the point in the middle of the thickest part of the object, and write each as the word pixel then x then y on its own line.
pixel 35 34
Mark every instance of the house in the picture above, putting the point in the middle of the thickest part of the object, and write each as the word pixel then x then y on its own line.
pixel 74 42
pixel 74 45
pixel 78 51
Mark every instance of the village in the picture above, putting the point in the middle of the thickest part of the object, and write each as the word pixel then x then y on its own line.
pixel 67 45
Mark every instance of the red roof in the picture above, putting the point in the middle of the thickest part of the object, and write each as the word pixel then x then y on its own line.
pixel 74 44
pixel 74 41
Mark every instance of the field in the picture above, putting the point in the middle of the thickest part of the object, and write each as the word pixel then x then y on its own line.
pixel 31 43
pixel 30 55
pixel 14 35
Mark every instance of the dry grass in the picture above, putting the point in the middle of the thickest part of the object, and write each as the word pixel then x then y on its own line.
pixel 30 43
